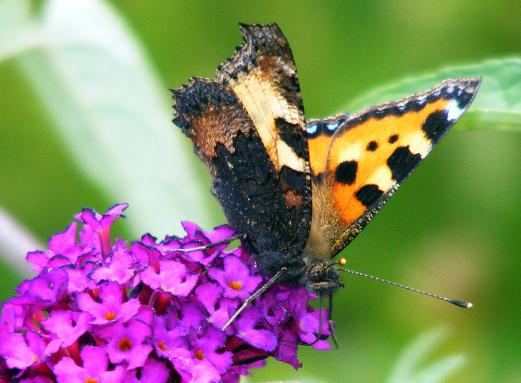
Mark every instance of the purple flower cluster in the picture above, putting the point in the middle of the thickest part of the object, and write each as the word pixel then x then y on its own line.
pixel 99 311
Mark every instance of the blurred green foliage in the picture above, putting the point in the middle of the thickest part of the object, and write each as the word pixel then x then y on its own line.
pixel 454 227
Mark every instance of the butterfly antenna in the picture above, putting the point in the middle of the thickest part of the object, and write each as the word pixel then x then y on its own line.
pixel 340 262
pixel 455 302
pixel 224 241
pixel 255 295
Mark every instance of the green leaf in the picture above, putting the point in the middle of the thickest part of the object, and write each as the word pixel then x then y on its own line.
pixel 441 370
pixel 113 113
pixel 408 369
pixel 17 32
pixel 498 103
pixel 15 242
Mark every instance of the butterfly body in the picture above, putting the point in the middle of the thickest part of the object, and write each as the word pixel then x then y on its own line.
pixel 302 190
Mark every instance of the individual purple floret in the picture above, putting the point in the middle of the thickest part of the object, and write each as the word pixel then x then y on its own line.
pixel 111 311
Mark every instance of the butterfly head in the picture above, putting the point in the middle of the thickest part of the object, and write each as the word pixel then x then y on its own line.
pixel 322 277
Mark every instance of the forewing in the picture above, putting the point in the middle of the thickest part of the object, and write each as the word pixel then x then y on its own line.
pixel 248 126
pixel 375 150
pixel 319 133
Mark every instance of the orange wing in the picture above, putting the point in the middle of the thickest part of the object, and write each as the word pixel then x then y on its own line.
pixel 319 134
pixel 371 154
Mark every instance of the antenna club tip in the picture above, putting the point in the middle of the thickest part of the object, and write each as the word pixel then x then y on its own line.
pixel 342 262
pixel 463 304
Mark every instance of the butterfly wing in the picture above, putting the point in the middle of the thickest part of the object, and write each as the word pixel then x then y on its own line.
pixel 371 155
pixel 319 134
pixel 248 126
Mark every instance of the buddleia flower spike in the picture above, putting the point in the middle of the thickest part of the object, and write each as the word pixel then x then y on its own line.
pixel 103 309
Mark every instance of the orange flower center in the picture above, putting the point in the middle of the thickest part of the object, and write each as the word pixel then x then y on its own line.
pixel 110 315
pixel 199 354
pixel 236 285
pixel 125 344
pixel 162 345
pixel 91 380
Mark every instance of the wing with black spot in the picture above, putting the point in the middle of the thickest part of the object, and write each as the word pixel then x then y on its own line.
pixel 373 152
pixel 248 126
pixel 319 133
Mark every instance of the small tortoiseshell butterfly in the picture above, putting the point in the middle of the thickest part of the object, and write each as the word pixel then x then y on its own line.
pixel 302 190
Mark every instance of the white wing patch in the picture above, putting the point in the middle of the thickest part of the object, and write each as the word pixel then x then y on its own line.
pixel 453 110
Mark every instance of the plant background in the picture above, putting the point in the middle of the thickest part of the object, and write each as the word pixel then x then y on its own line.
pixel 454 227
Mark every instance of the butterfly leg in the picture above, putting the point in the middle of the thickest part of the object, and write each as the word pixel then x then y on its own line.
pixel 319 335
pixel 210 245
pixel 255 295
pixel 330 321
pixel 134 293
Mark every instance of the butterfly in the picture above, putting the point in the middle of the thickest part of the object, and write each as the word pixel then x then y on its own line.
pixel 301 190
